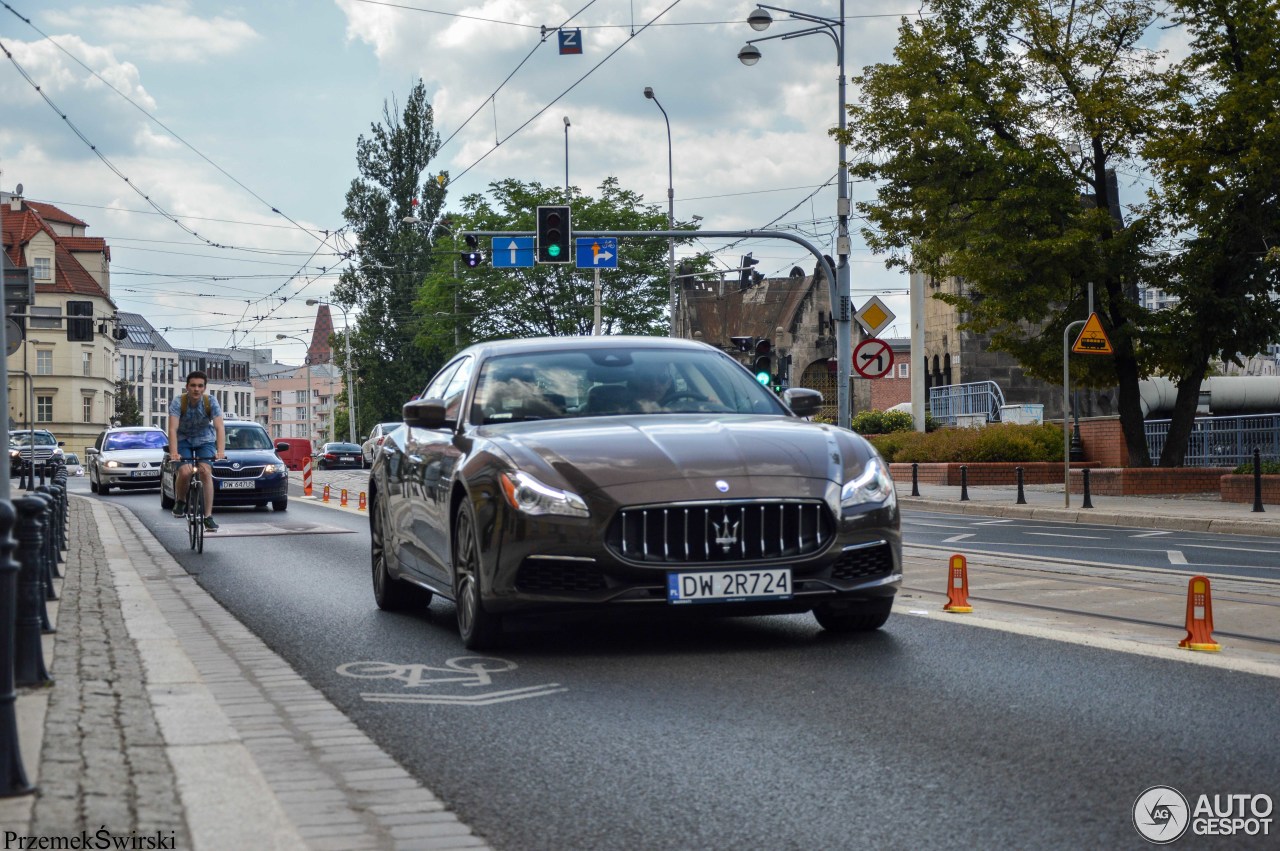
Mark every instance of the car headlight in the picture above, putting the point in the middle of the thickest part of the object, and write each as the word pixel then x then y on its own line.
pixel 111 464
pixel 527 494
pixel 874 484
pixel 271 468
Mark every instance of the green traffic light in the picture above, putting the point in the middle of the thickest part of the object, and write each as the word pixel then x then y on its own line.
pixel 553 250
pixel 764 378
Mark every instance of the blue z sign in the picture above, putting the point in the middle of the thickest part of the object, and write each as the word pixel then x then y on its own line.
pixel 570 41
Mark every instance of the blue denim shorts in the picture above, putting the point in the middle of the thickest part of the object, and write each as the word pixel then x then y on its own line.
pixel 205 451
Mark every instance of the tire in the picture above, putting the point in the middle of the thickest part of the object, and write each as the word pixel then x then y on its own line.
pixel 861 616
pixel 479 629
pixel 103 489
pixel 391 594
pixel 93 486
pixel 166 502
pixel 280 504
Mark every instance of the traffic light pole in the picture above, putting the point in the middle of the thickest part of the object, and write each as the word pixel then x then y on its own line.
pixel 838 289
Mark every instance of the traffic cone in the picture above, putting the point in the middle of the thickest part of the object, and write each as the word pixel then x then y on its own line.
pixel 342 501
pixel 1199 617
pixel 958 586
pixel 326 494
pixel 306 478
pixel 363 504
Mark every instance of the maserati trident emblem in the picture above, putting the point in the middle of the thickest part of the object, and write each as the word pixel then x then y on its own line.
pixel 722 486
pixel 726 533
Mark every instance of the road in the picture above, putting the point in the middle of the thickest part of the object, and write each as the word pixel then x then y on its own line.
pixel 767 732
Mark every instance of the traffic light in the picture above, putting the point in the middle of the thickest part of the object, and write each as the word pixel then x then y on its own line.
pixel 80 321
pixel 744 344
pixel 553 235
pixel 472 257
pixel 762 366
pixel 746 273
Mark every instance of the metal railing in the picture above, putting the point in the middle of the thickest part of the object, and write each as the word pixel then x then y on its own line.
pixel 950 402
pixel 1221 441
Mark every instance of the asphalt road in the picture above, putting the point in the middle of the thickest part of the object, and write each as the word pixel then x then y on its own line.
pixel 660 733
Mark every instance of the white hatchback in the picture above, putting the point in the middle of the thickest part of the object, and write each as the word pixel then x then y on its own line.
pixel 127 457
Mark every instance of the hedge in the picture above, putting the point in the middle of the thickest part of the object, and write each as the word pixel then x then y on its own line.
pixel 998 442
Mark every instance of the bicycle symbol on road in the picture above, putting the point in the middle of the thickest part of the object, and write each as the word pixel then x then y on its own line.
pixel 467 671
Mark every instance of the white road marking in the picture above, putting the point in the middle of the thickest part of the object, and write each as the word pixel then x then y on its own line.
pixel 992 522
pixel 1176 557
pixel 1059 535
pixel 957 538
pixel 1148 534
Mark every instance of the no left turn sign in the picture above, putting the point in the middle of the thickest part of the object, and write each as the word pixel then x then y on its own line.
pixel 873 358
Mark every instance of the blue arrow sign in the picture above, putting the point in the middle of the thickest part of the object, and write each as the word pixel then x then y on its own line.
pixel 512 252
pixel 597 252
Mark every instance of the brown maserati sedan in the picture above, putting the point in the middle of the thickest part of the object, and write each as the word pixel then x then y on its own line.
pixel 560 474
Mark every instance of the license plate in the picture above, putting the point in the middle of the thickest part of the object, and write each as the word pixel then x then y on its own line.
pixel 144 474
pixel 239 484
pixel 718 586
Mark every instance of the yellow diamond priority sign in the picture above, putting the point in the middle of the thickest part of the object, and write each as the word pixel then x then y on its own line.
pixel 875 316
pixel 1092 340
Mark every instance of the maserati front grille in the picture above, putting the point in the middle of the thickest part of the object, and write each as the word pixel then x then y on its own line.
pixel 734 531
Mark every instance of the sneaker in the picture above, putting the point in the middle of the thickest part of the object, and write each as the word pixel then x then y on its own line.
pixel 210 525
pixel 179 509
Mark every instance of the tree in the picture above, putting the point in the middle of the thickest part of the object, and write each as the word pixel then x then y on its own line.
pixel 127 411
pixel 547 300
pixel 1217 162
pixel 993 136
pixel 391 258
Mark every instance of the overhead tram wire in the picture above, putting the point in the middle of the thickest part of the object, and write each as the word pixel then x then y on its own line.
pixel 157 121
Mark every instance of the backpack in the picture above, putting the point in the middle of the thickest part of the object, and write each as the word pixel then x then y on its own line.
pixel 208 407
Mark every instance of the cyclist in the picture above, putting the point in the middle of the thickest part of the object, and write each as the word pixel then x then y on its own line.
pixel 196 431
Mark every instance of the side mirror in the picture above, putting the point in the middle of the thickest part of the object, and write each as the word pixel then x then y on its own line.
pixel 425 413
pixel 802 401
pixel 92 451
pixel 282 447
pixel 62 443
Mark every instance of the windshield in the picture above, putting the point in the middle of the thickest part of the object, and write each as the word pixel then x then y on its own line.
pixel 72 458
pixel 42 438
pixel 247 436
pixel 604 382
pixel 134 440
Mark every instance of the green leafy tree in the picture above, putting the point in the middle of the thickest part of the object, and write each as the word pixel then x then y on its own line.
pixel 1217 162
pixel 991 136
pixel 470 304
pixel 127 411
pixel 390 257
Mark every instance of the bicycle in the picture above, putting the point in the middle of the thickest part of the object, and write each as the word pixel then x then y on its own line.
pixel 195 504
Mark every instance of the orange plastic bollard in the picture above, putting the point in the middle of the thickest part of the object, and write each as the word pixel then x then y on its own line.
pixel 958 586
pixel 343 498
pixel 363 503
pixel 1199 617
pixel 326 494
pixel 306 477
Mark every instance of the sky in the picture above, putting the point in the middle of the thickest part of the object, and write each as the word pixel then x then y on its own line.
pixel 218 178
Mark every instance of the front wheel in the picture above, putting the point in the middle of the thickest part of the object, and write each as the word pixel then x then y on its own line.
pixel 480 629
pixel 391 594
pixel 860 616
pixel 280 504
pixel 166 502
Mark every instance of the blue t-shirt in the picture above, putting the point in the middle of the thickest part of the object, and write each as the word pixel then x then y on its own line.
pixel 194 427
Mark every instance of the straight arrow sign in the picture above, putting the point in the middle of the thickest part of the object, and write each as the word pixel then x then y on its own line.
pixel 512 252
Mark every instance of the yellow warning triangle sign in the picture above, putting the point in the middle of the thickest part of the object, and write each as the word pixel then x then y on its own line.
pixel 1092 340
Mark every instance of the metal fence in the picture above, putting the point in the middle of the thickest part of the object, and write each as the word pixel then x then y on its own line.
pixel 957 404
pixel 1221 441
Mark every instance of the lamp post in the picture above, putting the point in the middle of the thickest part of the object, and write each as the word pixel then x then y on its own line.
pixel 311 425
pixel 346 341
pixel 759 20
pixel 671 220
pixel 566 158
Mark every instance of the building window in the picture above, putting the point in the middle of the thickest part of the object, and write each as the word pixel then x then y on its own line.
pixel 44 362
pixel 276 397
pixel 277 431
pixel 44 269
pixel 904 370
pixel 299 413
pixel 86 363
pixel 44 317
pixel 44 409
pixel 86 404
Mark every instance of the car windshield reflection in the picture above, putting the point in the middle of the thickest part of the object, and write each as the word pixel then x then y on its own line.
pixel 589 383
pixel 134 440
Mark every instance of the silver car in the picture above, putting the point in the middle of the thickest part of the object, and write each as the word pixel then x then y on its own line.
pixel 369 449
pixel 127 457
pixel 74 467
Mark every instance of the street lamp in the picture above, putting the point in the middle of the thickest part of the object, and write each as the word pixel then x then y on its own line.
pixel 759 20
pixel 671 220
pixel 346 340
pixel 311 425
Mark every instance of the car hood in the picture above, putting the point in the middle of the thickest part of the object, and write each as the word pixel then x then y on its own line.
pixel 251 457
pixel 133 456
pixel 606 452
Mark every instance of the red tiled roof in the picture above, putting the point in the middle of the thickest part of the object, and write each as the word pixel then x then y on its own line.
pixel 53 214
pixel 18 228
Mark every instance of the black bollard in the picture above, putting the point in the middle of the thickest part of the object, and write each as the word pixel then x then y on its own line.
pixel 1257 479
pixel 50 548
pixel 915 478
pixel 1022 497
pixel 1088 503
pixel 28 654
pixel 964 483
pixel 59 488
pixel 13 777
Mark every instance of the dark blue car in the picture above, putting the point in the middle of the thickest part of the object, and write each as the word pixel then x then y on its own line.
pixel 253 473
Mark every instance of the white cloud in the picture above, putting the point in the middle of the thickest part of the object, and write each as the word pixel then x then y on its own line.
pixel 166 32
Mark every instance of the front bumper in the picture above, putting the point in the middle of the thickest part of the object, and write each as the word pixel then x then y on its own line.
pixel 266 488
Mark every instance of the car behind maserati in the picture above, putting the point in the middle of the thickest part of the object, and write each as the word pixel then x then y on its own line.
pixel 578 473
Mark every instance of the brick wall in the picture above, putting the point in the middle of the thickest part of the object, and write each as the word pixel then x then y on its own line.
pixel 1137 481
pixel 1240 489
pixel 1103 441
